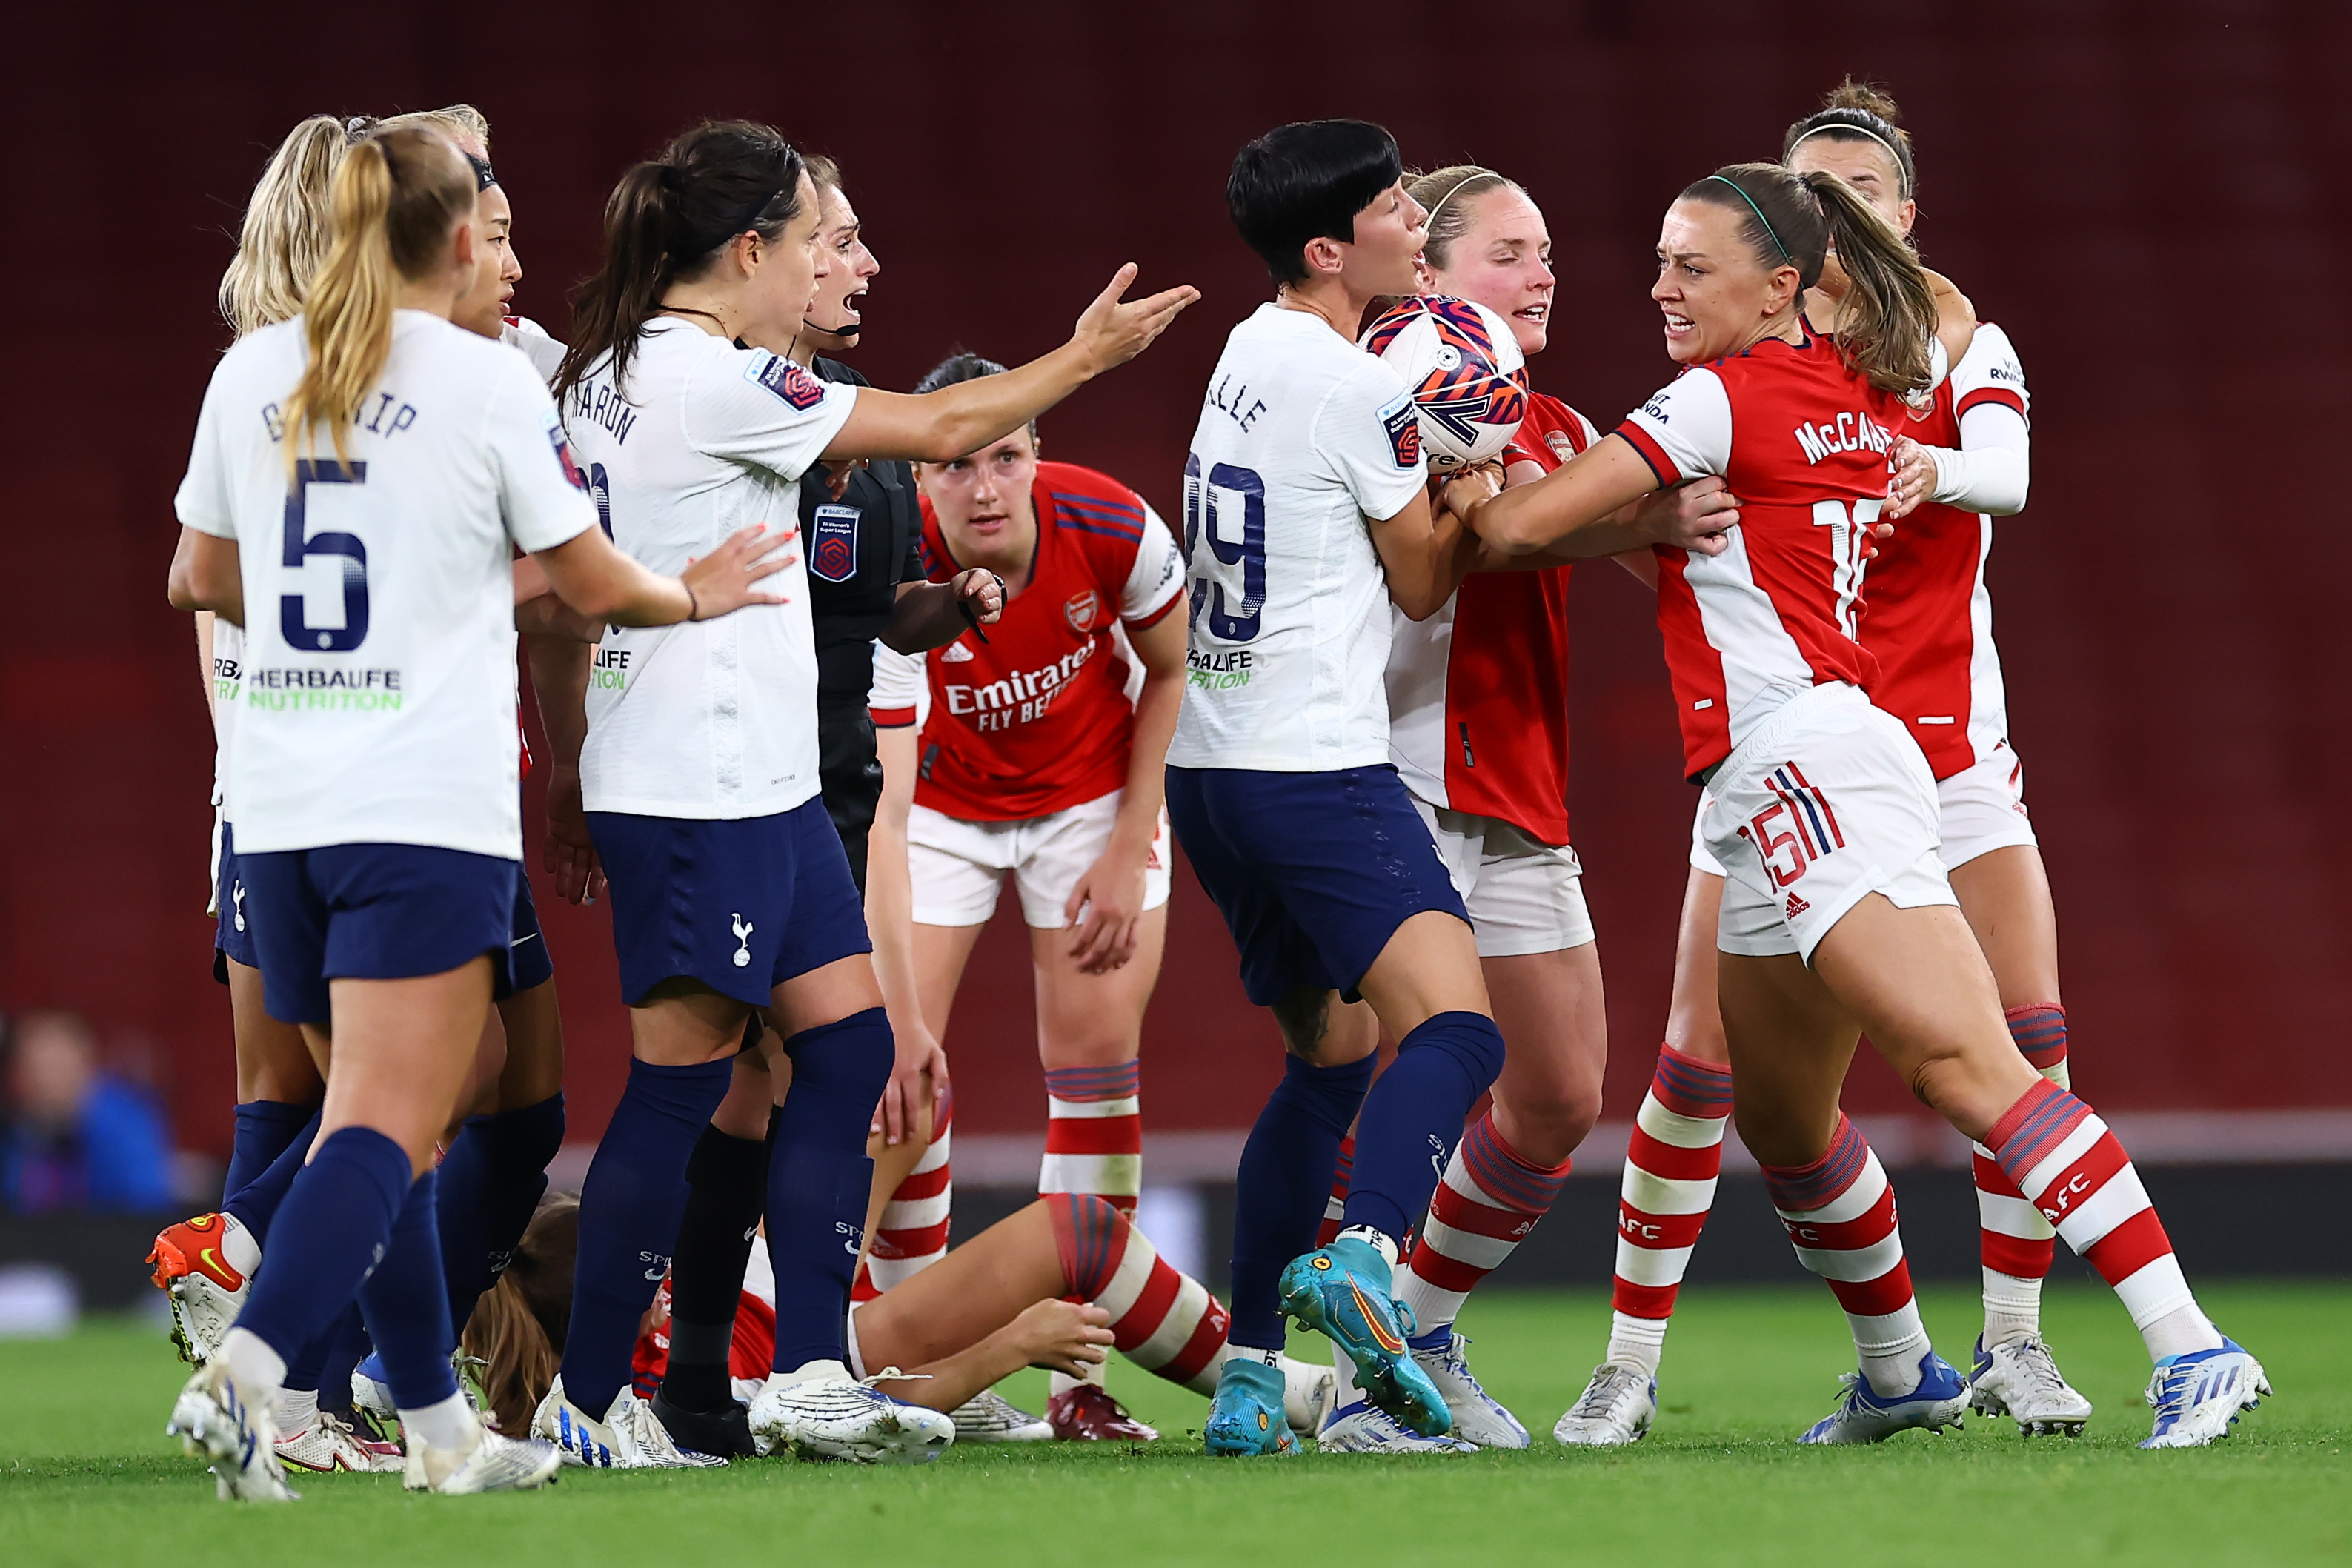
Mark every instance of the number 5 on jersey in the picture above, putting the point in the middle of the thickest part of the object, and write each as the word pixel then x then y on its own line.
pixel 1233 541
pixel 293 610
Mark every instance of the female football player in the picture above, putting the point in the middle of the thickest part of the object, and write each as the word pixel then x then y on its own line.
pixel 700 768
pixel 1837 915
pixel 375 769
pixel 1041 747
pixel 1930 628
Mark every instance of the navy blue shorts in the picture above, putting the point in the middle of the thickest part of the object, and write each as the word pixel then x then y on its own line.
pixel 233 940
pixel 528 962
pixel 741 904
pixel 372 912
pixel 1314 872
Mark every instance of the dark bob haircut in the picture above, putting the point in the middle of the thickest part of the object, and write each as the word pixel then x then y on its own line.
pixel 1308 182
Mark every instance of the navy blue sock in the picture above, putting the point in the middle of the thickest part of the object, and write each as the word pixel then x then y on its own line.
pixel 491 1180
pixel 818 1178
pixel 254 1204
pixel 1413 1117
pixel 1283 1184
pixel 264 1129
pixel 347 1346
pixel 331 1229
pixel 629 1209
pixel 407 1306
pixel 305 1373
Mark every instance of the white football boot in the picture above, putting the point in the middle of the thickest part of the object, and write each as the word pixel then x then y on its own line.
pixel 2021 1381
pixel 820 1412
pixel 325 1444
pixel 1363 1427
pixel 494 1464
pixel 989 1418
pixel 1478 1417
pixel 2198 1396
pixel 236 1437
pixel 1615 1408
pixel 205 1265
pixel 628 1438
pixel 1307 1395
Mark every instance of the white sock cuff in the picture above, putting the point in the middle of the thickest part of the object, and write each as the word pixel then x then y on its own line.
pixel 448 1424
pixel 259 1370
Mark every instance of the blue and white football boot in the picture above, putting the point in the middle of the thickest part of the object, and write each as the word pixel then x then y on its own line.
pixel 1365 1428
pixel 1941 1400
pixel 2021 1381
pixel 2198 1396
pixel 1479 1418
pixel 1341 1292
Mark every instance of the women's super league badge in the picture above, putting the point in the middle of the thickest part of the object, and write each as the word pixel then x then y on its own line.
pixel 832 544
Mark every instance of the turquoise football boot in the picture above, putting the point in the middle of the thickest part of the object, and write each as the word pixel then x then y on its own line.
pixel 1342 1291
pixel 1245 1417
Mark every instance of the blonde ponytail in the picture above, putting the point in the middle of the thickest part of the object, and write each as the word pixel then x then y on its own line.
pixel 284 236
pixel 396 199
pixel 1887 318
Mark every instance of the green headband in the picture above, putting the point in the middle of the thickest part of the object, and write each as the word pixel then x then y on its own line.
pixel 1759 217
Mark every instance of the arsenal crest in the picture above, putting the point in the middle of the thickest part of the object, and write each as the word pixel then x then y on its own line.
pixel 1080 610
pixel 1561 446
pixel 832 544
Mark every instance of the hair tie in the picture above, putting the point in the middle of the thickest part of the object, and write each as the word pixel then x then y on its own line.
pixel 1759 217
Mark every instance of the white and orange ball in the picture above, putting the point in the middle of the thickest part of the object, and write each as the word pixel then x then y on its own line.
pixel 1465 371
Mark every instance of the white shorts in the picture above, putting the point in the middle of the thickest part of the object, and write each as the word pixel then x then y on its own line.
pixel 1524 896
pixel 958 865
pixel 1829 801
pixel 1982 808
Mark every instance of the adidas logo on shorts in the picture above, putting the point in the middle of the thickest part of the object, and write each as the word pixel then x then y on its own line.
pixel 1797 906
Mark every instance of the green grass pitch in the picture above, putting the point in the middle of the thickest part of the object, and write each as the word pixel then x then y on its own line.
pixel 87 1476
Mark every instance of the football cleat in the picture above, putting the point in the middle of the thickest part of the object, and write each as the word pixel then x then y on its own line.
pixel 1479 1418
pixel 327 1445
pixel 494 1464
pixel 820 1412
pixel 1361 1428
pixel 628 1438
pixel 989 1418
pixel 2199 1396
pixel 371 1401
pixel 1341 1292
pixel 206 1292
pixel 1306 1389
pixel 1615 1408
pixel 1246 1415
pixel 726 1431
pixel 2022 1381
pixel 1086 1413
pixel 1941 1400
pixel 237 1439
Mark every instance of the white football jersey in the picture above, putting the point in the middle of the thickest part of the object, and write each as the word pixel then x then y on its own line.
pixel 379 649
pixel 713 719
pixel 546 355
pixel 228 688
pixel 1302 437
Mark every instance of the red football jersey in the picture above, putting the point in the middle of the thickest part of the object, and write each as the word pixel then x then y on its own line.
pixel 1802 442
pixel 1037 718
pixel 1931 619
pixel 1478 693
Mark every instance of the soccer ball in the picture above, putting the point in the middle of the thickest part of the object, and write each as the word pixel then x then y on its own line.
pixel 1465 371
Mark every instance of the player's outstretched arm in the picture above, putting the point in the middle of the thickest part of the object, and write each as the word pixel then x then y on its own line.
pixel 938 426
pixel 598 581
pixel 1426 552
pixel 1579 494
pixel 205 576
pixel 1695 516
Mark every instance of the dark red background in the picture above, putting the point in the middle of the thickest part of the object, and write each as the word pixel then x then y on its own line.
pixel 2152 198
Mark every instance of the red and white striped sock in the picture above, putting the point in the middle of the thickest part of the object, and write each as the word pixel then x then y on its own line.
pixel 2067 1162
pixel 1485 1204
pixel 1663 1199
pixel 1838 1211
pixel 1094 1144
pixel 2015 1241
pixel 913 1233
pixel 1335 1209
pixel 1160 1319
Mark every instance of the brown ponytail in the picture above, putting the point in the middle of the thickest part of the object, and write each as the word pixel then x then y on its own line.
pixel 284 236
pixel 520 1321
pixel 1793 220
pixel 1887 318
pixel 396 199
pixel 665 222
pixel 1859 111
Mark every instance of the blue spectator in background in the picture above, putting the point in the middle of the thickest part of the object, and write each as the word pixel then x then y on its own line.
pixel 74 1137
